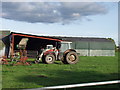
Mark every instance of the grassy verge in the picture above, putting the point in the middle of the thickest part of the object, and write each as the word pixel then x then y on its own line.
pixel 89 69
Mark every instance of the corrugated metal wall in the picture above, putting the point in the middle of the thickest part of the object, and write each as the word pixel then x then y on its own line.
pixel 2 47
pixel 94 48
pixel 3 34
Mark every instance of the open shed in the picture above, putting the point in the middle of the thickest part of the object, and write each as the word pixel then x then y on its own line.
pixel 34 44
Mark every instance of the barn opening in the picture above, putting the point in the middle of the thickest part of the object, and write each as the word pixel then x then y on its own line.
pixel 34 43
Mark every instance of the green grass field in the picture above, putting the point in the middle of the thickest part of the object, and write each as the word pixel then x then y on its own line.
pixel 89 69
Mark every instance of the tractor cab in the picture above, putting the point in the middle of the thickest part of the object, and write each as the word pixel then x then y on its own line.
pixel 65 46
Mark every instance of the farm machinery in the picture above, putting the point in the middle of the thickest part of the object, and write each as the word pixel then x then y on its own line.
pixel 21 56
pixel 64 54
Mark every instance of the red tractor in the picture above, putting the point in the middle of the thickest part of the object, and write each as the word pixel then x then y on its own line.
pixel 65 54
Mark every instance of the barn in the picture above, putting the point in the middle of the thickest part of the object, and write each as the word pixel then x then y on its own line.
pixel 84 46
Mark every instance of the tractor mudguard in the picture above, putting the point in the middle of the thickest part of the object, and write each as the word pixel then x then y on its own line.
pixel 67 51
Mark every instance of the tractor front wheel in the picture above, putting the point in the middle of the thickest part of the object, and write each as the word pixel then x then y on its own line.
pixel 48 59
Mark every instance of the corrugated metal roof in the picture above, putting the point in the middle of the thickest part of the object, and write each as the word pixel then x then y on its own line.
pixel 68 38
pixel 85 39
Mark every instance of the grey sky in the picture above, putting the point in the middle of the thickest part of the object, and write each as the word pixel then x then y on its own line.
pixel 48 12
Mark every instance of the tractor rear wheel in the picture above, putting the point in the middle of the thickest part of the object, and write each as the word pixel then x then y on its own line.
pixel 48 59
pixel 70 58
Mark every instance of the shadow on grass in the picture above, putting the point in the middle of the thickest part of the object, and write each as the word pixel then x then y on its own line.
pixel 65 77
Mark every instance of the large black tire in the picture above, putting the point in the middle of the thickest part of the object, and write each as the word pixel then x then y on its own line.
pixel 48 59
pixel 70 58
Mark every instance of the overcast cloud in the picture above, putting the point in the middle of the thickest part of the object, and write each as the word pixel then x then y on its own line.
pixel 47 12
